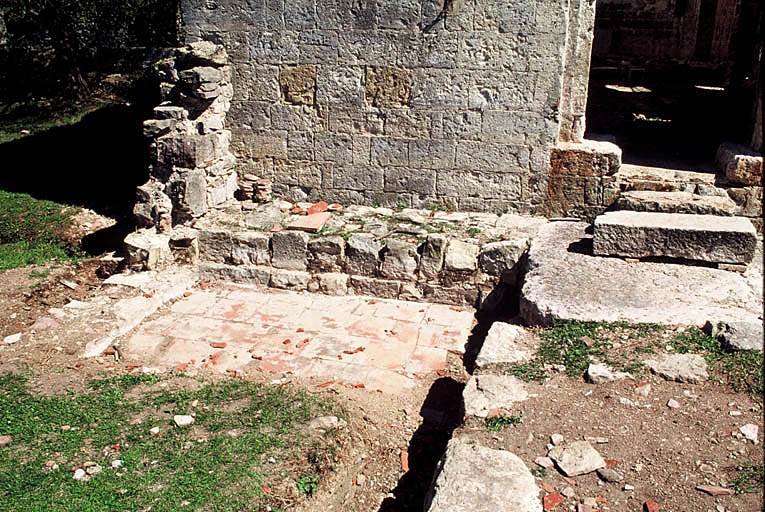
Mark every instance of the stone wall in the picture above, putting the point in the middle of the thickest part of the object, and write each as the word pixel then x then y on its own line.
pixel 662 30
pixel 401 102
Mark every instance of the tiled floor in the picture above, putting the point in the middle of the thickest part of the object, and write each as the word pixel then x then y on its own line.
pixel 382 344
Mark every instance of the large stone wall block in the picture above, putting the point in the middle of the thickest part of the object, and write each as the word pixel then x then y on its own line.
pixel 399 260
pixel 296 280
pixel 362 255
pixel 432 154
pixel 250 248
pixel 340 85
pixel 336 148
pixel 298 84
pixel 273 47
pixel 398 14
pixel 388 86
pixel 357 177
pixel 147 250
pixel 215 245
pixel 432 257
pixel 500 258
pixel 740 164
pixel 417 181
pixel 461 256
pixel 188 190
pixel 289 250
pixel 243 274
pixel 327 254
pixel 373 287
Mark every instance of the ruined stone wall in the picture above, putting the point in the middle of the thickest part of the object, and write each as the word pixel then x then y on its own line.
pixel 397 102
pixel 660 30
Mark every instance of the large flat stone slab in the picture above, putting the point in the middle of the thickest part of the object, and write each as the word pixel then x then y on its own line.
pixel 507 343
pixel 675 235
pixel 565 281
pixel 479 479
pixel 675 202
pixel 486 393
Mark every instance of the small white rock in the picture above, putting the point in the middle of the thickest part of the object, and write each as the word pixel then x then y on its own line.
pixel 556 439
pixel 751 432
pixel 154 431
pixel 79 474
pixel 13 338
pixel 628 487
pixel 183 420
pixel 673 404
pixel 735 413
pixel 116 463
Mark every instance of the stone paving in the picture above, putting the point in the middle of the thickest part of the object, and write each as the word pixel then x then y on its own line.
pixel 359 341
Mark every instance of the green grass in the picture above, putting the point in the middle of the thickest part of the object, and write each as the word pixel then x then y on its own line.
pixel 741 369
pixel 31 231
pixel 749 478
pixel 499 422
pixel 241 424
pixel 19 121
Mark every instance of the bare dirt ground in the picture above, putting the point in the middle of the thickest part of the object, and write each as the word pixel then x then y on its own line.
pixel 384 460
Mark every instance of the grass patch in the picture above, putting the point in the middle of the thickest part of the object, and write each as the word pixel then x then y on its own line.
pixel 24 120
pixel 499 422
pixel 573 345
pixel 741 369
pixel 31 231
pixel 749 478
pixel 220 463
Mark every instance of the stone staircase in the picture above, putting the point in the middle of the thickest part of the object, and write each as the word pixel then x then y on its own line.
pixel 664 213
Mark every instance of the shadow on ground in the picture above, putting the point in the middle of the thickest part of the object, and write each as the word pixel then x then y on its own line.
pixel 442 412
pixel 95 163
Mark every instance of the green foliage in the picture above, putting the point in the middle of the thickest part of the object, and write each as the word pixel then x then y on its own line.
pixel 539 472
pixel 308 484
pixel 31 231
pixel 749 478
pixel 499 422
pixel 217 465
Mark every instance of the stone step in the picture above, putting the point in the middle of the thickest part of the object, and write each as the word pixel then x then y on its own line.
pixel 658 179
pixel 675 202
pixel 675 235
pixel 479 479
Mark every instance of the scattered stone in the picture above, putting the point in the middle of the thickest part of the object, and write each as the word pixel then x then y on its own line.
pixel 116 464
pixel 628 487
pixel 44 322
pixel 651 506
pixel 5 440
pixel 310 223
pixel 643 389
pixel 327 423
pixel 673 404
pixel 751 432
pixel 461 256
pixel 551 501
pixel 715 490
pixel 361 479
pixel 577 458
pixel 507 343
pixel 610 475
pixel 737 335
pixel 362 252
pixel 93 469
pixel 599 373
pixel 461 479
pixel 568 492
pixel 147 250
pixel 484 393
pixel 154 431
pixel 739 163
pixel 545 462
pixel 556 439
pixel 183 420
pixel 498 258
pixel 79 474
pixel 13 338
pixel 690 368
pixel 596 440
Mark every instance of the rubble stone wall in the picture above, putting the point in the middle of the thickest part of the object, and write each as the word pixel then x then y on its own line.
pixel 416 103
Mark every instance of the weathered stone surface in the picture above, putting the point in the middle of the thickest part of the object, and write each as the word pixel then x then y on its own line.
pixel 565 282
pixel 201 53
pixel 599 373
pixel 737 335
pixel 290 279
pixel 461 481
pixel 310 223
pixel 362 255
pixel 147 250
pixel 388 86
pixel 675 202
pixel 680 367
pixel 499 258
pixel 640 177
pixel 484 393
pixel 399 260
pixel 507 343
pixel 184 245
pixel 740 164
pixel 383 288
pixel 432 259
pixel 675 235
pixel 298 84
pixel 290 250
pixel 250 248
pixel 333 283
pixel 327 253
pixel 577 458
pixel 243 274
pixel 265 217
pixel 461 256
